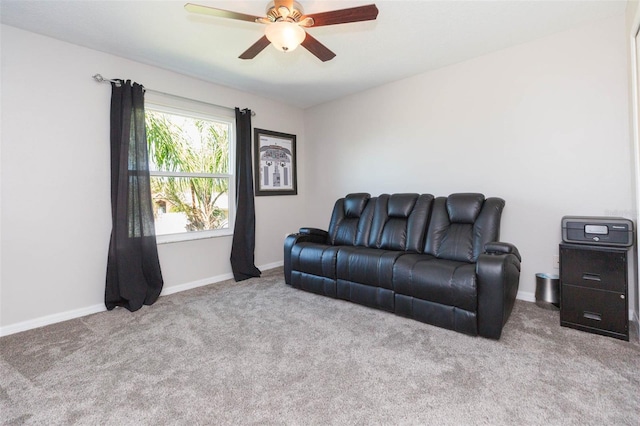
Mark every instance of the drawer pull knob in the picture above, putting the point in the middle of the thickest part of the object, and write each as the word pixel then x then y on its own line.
pixel 592 316
pixel 591 277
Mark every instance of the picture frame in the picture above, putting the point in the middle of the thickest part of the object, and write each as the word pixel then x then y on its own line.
pixel 276 168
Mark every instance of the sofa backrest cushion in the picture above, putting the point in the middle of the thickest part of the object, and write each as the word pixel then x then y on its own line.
pixel 351 220
pixel 461 224
pixel 464 208
pixel 399 221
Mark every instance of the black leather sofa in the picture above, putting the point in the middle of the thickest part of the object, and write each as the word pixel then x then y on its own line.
pixel 436 260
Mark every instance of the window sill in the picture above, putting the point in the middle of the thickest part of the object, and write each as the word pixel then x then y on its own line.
pixel 190 236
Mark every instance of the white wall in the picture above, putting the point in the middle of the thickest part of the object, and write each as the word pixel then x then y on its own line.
pixel 55 180
pixel 543 125
pixel 633 23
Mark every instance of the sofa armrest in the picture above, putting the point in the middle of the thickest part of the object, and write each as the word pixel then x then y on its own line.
pixel 498 277
pixel 314 231
pixel 497 247
pixel 293 239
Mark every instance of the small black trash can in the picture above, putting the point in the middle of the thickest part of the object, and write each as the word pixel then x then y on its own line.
pixel 548 291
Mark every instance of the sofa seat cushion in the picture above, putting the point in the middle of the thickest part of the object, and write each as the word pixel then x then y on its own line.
pixel 315 259
pixel 368 266
pixel 446 282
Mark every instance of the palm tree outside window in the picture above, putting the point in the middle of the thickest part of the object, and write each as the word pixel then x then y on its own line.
pixel 190 160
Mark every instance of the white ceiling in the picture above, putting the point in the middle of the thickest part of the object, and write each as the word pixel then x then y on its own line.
pixel 408 38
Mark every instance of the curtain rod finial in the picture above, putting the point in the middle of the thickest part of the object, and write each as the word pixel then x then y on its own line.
pixel 100 79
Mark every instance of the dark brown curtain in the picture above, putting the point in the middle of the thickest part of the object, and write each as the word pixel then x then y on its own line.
pixel 133 269
pixel 244 233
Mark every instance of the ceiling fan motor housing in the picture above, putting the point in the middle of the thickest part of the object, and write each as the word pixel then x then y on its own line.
pixel 283 13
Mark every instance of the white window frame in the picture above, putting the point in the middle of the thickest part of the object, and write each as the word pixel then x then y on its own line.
pixel 177 105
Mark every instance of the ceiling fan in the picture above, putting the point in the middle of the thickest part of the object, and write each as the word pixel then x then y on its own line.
pixel 286 21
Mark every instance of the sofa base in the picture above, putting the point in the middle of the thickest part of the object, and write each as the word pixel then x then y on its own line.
pixel 314 284
pixel 444 316
pixel 373 297
pixel 436 314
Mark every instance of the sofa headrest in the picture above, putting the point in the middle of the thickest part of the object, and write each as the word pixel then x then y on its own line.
pixel 464 208
pixel 354 204
pixel 401 205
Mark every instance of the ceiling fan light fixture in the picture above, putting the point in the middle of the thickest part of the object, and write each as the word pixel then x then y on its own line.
pixel 285 36
pixel 285 22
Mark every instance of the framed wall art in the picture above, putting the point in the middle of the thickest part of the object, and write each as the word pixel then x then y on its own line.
pixel 275 163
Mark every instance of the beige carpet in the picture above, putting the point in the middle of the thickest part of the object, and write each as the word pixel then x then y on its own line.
pixel 261 352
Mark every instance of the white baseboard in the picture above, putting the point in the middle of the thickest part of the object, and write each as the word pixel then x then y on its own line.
pixel 77 313
pixel 273 265
pixel 50 319
pixel 195 284
pixel 526 296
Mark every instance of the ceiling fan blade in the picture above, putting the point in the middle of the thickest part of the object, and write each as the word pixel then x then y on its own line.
pixel 343 16
pixel 220 13
pixel 256 48
pixel 318 49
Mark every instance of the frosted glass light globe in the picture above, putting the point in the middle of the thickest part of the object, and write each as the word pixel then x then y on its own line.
pixel 285 36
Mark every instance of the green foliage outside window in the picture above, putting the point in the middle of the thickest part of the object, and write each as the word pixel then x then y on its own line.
pixel 183 146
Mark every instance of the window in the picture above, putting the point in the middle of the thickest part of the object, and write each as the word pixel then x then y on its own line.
pixel 190 162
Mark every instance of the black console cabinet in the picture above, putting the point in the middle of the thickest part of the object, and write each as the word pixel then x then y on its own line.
pixel 593 289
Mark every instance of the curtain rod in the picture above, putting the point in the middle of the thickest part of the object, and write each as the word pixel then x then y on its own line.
pixel 100 79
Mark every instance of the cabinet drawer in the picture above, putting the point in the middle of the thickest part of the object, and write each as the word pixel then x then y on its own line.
pixel 598 269
pixel 597 309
